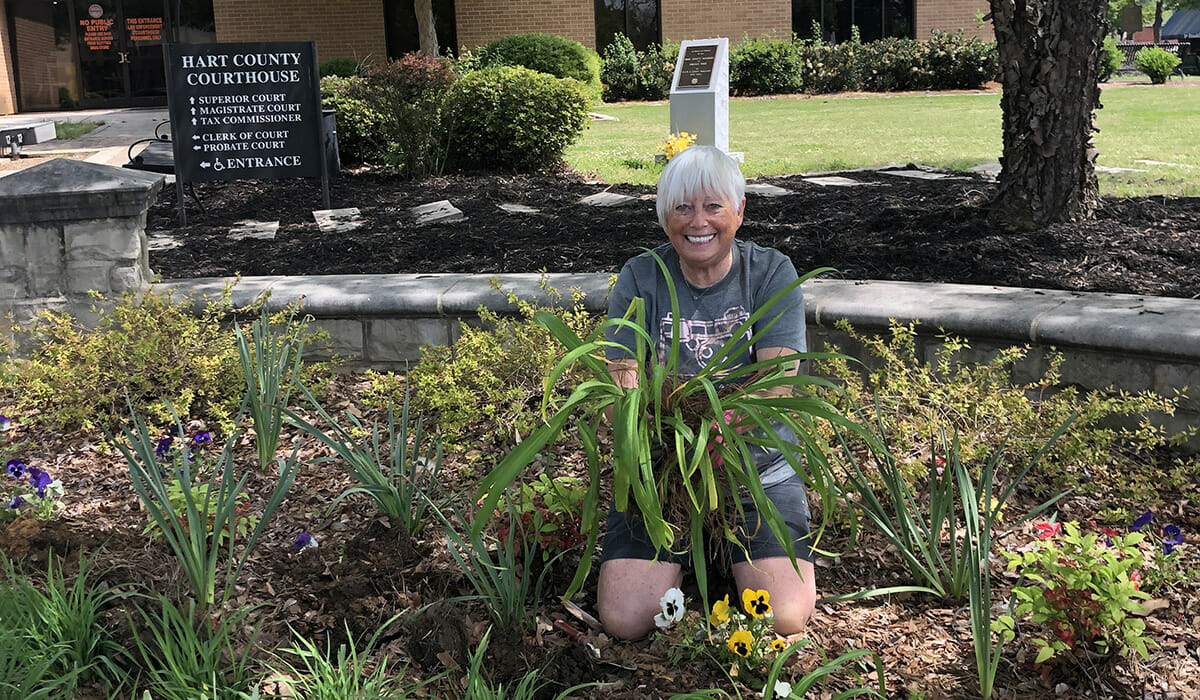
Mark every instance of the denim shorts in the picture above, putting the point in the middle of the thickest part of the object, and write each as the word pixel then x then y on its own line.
pixel 626 537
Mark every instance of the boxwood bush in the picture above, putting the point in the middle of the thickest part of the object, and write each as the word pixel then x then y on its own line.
pixel 544 53
pixel 359 125
pixel 514 118
pixel 629 74
pixel 764 66
pixel 1158 63
pixel 1111 59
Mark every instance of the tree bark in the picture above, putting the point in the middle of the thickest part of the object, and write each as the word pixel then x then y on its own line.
pixel 426 31
pixel 1049 54
pixel 1158 9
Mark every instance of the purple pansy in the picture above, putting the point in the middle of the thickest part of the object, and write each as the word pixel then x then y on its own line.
pixel 1142 521
pixel 304 541
pixel 5 423
pixel 16 502
pixel 202 438
pixel 39 480
pixel 16 468
pixel 1172 537
pixel 164 447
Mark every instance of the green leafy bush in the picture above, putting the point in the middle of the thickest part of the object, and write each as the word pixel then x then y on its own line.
pixel 764 67
pixel 629 74
pixel 405 98
pixel 958 63
pixel 827 68
pixel 147 351
pixel 544 53
pixel 514 118
pixel 359 125
pixel 980 402
pixel 1111 59
pixel 893 64
pixel 341 67
pixel 1158 63
pixel 492 377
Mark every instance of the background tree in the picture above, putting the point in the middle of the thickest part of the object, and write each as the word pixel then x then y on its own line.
pixel 1049 68
pixel 426 31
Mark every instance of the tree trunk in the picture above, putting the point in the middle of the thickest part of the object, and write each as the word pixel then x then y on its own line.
pixel 1049 68
pixel 1158 8
pixel 426 31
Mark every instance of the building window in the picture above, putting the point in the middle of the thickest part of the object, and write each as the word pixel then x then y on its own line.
pixel 636 19
pixel 400 27
pixel 875 19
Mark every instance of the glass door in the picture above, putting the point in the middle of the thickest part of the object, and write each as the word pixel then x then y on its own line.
pixel 120 51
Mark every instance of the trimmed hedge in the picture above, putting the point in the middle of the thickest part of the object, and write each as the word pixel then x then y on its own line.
pixel 514 118
pixel 764 67
pixel 544 53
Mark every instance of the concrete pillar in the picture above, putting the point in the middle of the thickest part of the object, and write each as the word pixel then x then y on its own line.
pixel 68 228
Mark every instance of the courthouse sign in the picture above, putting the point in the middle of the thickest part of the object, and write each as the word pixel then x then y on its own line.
pixel 245 111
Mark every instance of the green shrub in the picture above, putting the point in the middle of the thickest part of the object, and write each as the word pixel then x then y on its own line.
pixel 1158 63
pixel 513 118
pixel 629 74
pixel 980 402
pixel 1111 59
pixel 491 377
pixel 341 67
pixel 893 64
pixel 359 126
pixel 407 97
pixel 544 53
pixel 958 63
pixel 145 351
pixel 827 68
pixel 764 67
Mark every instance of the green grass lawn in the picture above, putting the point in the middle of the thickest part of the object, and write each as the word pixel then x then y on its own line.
pixel 66 130
pixel 789 135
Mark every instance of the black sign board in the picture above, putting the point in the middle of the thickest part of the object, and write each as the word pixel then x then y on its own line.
pixel 697 66
pixel 246 111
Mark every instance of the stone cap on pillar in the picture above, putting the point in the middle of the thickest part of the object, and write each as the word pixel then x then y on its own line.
pixel 64 189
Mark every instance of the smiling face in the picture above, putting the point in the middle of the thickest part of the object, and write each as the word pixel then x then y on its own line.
pixel 702 230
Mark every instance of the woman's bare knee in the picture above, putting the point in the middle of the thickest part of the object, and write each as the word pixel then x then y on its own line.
pixel 628 593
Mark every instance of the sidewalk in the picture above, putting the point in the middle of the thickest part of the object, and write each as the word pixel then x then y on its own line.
pixel 109 143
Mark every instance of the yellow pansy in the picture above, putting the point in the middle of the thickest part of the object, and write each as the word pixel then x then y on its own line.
pixel 720 612
pixel 778 644
pixel 757 603
pixel 740 642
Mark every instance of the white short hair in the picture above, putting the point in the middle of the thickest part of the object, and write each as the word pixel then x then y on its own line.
pixel 699 169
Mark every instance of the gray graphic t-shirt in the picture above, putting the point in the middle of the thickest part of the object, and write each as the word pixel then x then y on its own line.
pixel 709 316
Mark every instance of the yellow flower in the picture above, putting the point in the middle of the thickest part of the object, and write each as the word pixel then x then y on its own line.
pixel 740 642
pixel 720 612
pixel 757 603
pixel 778 645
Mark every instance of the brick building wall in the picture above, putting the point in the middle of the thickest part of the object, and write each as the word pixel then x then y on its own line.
pixel 952 16
pixel 481 21
pixel 707 19
pixel 341 28
pixel 8 83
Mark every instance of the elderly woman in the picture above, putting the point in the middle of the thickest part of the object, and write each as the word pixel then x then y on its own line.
pixel 720 281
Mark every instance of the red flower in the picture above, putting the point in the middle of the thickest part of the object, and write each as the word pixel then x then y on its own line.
pixel 1135 577
pixel 1047 530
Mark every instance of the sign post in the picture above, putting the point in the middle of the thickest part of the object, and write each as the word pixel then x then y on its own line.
pixel 245 111
pixel 700 92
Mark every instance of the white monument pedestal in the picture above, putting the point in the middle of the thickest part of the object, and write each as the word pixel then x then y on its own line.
pixel 700 92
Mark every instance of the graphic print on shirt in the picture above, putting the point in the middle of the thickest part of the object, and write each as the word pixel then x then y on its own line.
pixel 700 339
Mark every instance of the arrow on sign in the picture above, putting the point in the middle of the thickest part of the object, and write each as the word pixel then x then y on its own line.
pixel 196 147
pixel 193 111
pixel 191 100
pixel 193 121
pixel 195 137
pixel 204 164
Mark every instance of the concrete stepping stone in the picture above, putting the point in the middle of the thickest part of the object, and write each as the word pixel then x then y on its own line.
pixel 1143 161
pixel 991 170
pixel 261 230
pixel 921 174
pixel 337 220
pixel 766 190
pixel 161 241
pixel 1114 171
pixel 834 181
pixel 607 199
pixel 440 212
pixel 510 208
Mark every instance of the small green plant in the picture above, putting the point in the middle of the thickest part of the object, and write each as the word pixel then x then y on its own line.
pixel 1084 592
pixel 322 675
pixel 28 672
pixel 74 129
pixel 547 511
pixel 199 549
pixel 32 490
pixel 239 526
pixel 491 377
pixel 399 472
pixel 1111 59
pixel 1156 62
pixel 270 361
pixel 186 654
pixel 147 351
